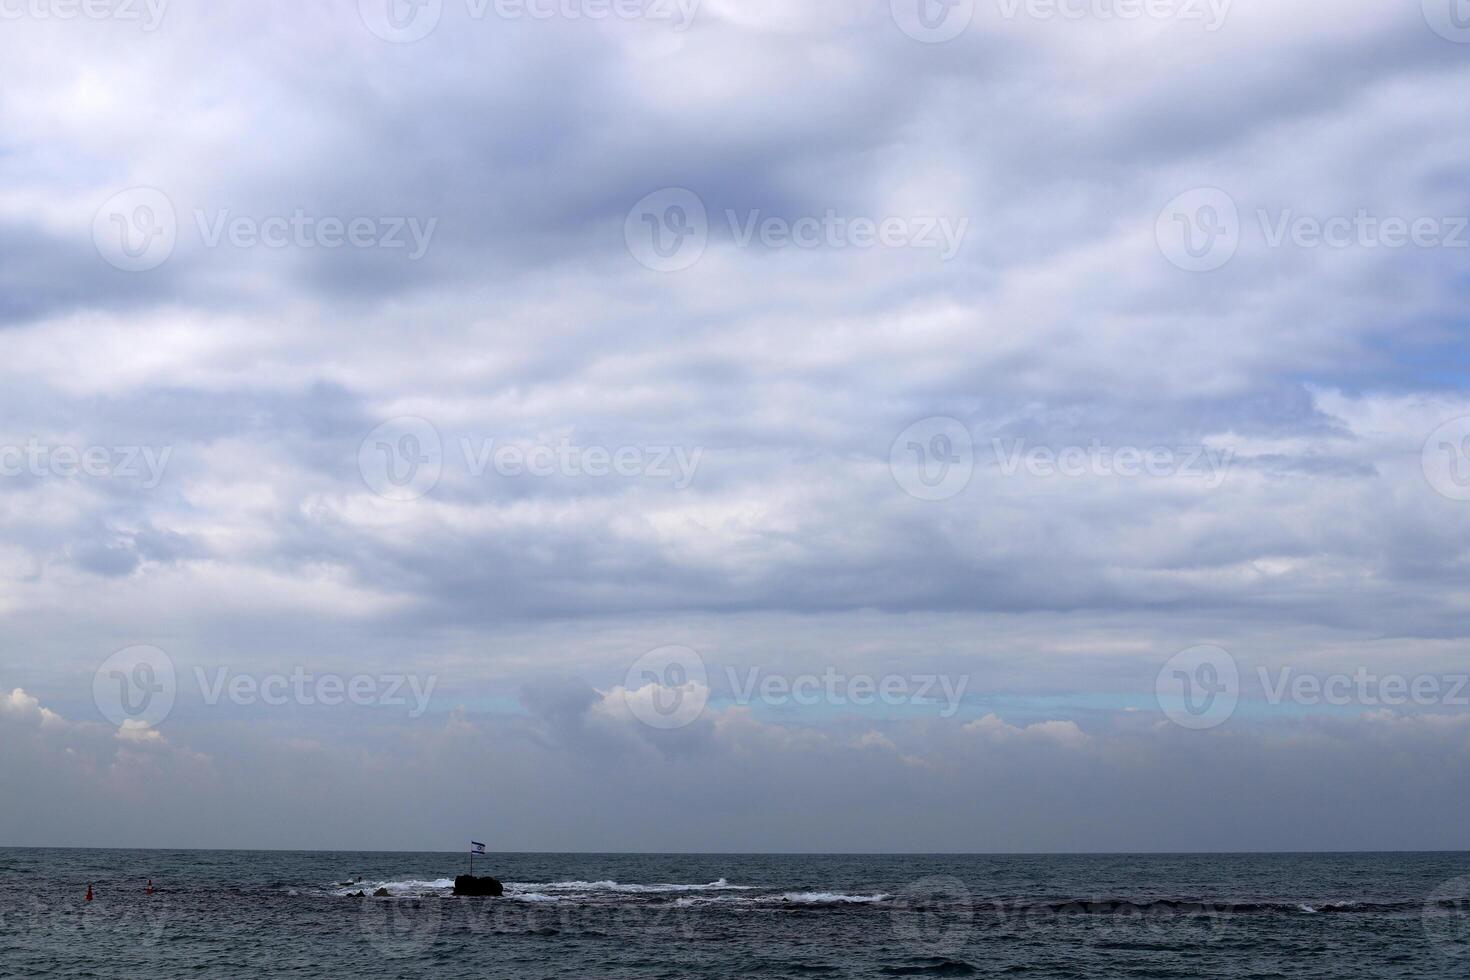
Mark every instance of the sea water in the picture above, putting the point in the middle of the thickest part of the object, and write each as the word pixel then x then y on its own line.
pixel 257 913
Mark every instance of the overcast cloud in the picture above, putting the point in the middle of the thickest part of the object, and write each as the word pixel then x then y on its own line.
pixel 1000 349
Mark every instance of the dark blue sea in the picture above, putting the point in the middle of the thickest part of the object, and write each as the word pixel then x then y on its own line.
pixel 296 914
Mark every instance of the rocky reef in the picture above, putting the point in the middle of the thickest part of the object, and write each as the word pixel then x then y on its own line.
pixel 471 885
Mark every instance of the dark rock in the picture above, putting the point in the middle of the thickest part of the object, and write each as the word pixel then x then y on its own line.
pixel 381 893
pixel 470 885
pixel 357 894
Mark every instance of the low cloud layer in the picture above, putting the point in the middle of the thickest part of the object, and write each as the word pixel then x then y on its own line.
pixel 582 772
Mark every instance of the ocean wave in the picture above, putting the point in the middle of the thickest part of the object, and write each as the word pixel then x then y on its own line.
pixel 932 967
pixel 519 896
pixel 615 886
pixel 827 898
pixel 685 903
pixel 409 886
pixel 1111 906
pixel 528 891
pixel 784 898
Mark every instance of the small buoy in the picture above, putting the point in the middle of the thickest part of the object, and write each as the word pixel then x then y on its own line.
pixel 89 891
pixel 149 890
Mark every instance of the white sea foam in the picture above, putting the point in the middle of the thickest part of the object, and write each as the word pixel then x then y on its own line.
pixel 547 891
pixel 515 896
pixel 615 886
pixel 685 903
pixel 410 886
pixel 827 898
pixel 787 898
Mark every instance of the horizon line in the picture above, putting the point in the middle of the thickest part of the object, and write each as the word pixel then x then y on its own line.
pixel 636 853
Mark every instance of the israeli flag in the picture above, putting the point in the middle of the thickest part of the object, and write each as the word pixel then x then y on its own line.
pixel 476 847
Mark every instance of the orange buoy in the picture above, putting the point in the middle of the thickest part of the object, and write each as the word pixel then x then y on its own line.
pixel 149 890
pixel 89 891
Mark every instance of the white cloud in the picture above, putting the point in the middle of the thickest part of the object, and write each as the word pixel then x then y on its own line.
pixel 1065 733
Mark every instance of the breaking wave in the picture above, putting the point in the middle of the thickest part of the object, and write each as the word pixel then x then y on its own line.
pixel 614 886
pixel 721 893
pixel 786 898
pixel 520 896
pixel 407 887
pixel 1113 906
pixel 827 898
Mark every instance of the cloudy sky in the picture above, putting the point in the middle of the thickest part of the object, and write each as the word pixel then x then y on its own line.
pixel 735 424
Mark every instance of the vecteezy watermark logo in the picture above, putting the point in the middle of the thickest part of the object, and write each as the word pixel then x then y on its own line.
pixel 932 21
pixel 1199 231
pixel 832 687
pixel 680 12
pixel 303 230
pixel 1446 917
pixel 558 912
pixel 135 687
pixel 399 927
pixel 110 922
pixel 1363 230
pixel 934 916
pixel 406 21
pixel 933 459
pixel 1199 688
pixel 1450 19
pixel 149 13
pixel 676 463
pixel 668 230
pixel 136 230
pixel 1210 13
pixel 402 459
pixel 835 231
pixel 1098 460
pixel 1364 688
pixel 667 688
pixel 401 21
pixel 307 689
pixel 1446 459
pixel 142 463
